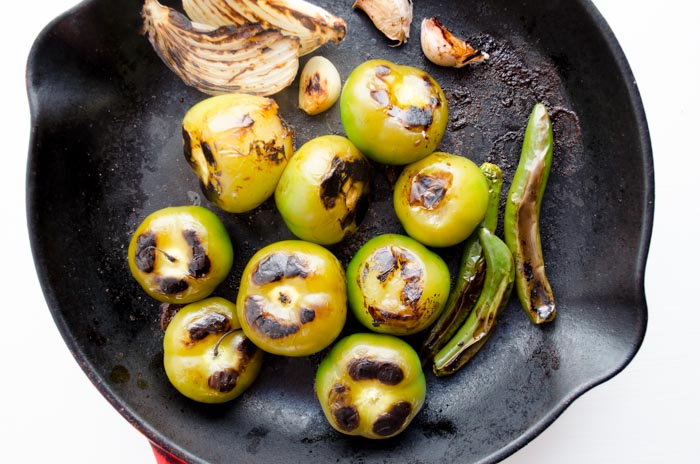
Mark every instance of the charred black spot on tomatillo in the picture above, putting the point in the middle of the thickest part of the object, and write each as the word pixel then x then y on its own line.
pixel 268 150
pixel 211 323
pixel 208 153
pixel 224 380
pixel 384 262
pixel 167 312
pixel 413 117
pixel 264 322
pixel 341 174
pixel 172 285
pixel 247 348
pixel 427 191
pixel 386 372
pixel 187 148
pixel 200 264
pixel 392 421
pixel 307 315
pixel 146 252
pixel 277 266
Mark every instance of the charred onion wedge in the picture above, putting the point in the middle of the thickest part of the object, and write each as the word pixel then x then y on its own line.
pixel 313 25
pixel 249 59
pixel 392 17
pixel 442 48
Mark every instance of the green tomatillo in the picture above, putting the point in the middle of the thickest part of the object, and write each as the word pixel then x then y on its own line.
pixel 206 355
pixel 322 194
pixel 292 298
pixel 396 285
pixel 394 114
pixel 180 254
pixel 441 199
pixel 371 385
pixel 238 146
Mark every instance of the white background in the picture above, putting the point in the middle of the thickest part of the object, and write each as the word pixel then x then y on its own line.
pixel 646 414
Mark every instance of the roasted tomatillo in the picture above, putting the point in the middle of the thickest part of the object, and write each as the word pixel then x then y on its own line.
pixel 238 146
pixel 396 285
pixel 441 199
pixel 180 254
pixel 292 298
pixel 370 385
pixel 206 355
pixel 394 114
pixel 322 194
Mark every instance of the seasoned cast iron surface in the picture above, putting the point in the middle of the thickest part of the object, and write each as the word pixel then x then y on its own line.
pixel 106 151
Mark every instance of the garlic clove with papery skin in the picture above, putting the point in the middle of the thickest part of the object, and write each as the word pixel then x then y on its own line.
pixel 443 48
pixel 392 17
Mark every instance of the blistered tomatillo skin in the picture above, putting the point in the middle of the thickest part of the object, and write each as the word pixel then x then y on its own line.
pixel 206 355
pixel 441 199
pixel 396 285
pixel 180 254
pixel 238 146
pixel 370 385
pixel 322 194
pixel 394 114
pixel 292 298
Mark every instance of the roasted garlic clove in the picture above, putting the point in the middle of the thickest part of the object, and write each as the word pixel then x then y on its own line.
pixel 312 24
pixel 442 48
pixel 392 17
pixel 248 59
pixel 319 85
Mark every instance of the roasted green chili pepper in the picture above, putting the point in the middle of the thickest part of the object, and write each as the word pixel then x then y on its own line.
pixel 470 278
pixel 498 284
pixel 521 219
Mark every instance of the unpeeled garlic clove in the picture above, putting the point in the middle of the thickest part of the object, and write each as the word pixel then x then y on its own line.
pixel 319 85
pixel 392 17
pixel 442 48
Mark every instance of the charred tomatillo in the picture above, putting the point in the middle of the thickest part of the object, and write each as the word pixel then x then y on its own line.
pixel 206 355
pixel 396 285
pixel 441 199
pixel 394 114
pixel 292 298
pixel 180 254
pixel 322 194
pixel 370 385
pixel 238 146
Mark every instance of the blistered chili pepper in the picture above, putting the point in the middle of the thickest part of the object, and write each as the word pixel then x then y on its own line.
pixel 521 218
pixel 470 277
pixel 494 296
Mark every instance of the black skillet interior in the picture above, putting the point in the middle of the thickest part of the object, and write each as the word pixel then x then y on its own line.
pixel 106 150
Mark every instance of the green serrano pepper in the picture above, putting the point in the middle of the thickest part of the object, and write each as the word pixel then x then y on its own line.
pixel 498 284
pixel 470 278
pixel 521 218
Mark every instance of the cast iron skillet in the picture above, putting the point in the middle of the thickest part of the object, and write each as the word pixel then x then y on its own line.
pixel 106 150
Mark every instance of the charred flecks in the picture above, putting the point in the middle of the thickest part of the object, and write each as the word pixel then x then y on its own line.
pixel 339 179
pixel 200 263
pixel 384 262
pixel 208 153
pixel 386 372
pixel 267 149
pixel 247 348
pixel 167 312
pixel 264 322
pixel 145 258
pixel 307 315
pixel 314 87
pixel 392 421
pixel 187 148
pixel 428 191
pixel 413 117
pixel 345 414
pixel 211 323
pixel 171 285
pixel 277 266
pixel 224 380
